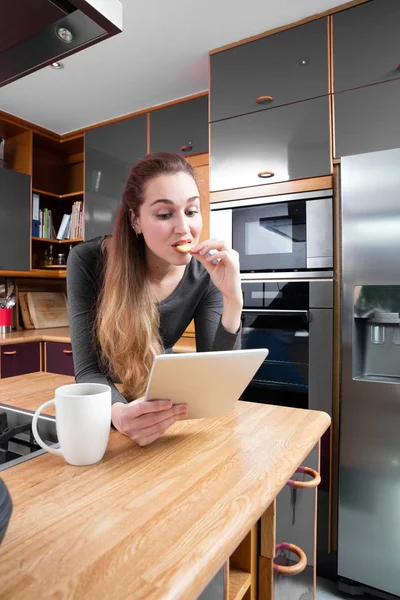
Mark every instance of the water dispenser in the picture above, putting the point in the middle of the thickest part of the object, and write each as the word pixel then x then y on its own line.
pixel 376 351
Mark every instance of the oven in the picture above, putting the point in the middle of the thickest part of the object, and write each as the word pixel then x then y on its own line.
pixel 294 320
pixel 291 232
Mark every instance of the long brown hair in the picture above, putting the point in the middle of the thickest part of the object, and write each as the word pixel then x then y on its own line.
pixel 128 319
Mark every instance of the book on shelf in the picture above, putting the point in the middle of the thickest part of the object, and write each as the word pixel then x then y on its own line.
pixel 63 227
pixel 35 207
pixel 46 223
pixel 72 225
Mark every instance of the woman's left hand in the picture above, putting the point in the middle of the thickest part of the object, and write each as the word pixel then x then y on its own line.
pixel 225 274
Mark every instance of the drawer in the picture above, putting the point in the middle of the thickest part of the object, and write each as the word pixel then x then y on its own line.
pixel 19 359
pixel 59 358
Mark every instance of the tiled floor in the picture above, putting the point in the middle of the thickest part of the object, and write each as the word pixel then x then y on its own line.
pixel 327 590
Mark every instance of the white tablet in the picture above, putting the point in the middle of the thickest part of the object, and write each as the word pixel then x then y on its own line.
pixel 210 383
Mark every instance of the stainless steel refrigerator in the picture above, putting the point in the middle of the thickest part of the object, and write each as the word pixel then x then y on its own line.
pixel 369 484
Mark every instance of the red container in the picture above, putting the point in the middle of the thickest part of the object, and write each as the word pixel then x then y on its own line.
pixel 6 316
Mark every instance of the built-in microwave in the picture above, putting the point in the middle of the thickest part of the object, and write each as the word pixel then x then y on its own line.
pixel 291 232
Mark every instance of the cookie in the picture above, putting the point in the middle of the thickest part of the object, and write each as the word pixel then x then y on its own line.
pixel 184 248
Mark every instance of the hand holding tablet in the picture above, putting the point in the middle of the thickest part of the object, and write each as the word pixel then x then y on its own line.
pixel 209 383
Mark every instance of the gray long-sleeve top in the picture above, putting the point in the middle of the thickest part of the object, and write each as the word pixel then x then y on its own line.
pixel 195 297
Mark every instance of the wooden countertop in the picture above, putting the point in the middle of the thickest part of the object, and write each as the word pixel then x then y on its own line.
pixel 145 523
pixel 53 334
pixel 61 334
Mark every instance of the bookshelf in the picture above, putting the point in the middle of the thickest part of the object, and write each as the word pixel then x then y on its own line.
pixel 58 180
pixel 70 195
pixel 51 241
pixel 56 168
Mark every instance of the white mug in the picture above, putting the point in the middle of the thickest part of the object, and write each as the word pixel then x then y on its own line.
pixel 83 421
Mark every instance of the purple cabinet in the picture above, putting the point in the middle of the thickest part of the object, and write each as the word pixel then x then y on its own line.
pixel 59 358
pixel 19 359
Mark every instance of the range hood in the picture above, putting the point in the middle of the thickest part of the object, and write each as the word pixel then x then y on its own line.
pixel 36 33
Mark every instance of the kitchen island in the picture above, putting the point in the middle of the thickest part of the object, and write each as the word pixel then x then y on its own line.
pixel 145 523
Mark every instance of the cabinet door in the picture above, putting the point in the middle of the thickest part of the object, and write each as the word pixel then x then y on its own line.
pixel 367 119
pixel 291 142
pixel 15 220
pixel 182 127
pixel 19 359
pixel 59 358
pixel 110 152
pixel 366 44
pixel 288 66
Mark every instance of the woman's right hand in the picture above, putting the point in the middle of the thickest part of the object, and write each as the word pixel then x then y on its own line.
pixel 143 421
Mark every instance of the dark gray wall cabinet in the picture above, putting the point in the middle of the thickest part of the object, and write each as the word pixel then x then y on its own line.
pixel 288 66
pixel 182 127
pixel 366 44
pixel 110 152
pixel 367 119
pixel 292 142
pixel 15 220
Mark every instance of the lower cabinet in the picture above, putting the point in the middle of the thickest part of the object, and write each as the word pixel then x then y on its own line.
pixel 19 359
pixel 287 569
pixel 58 358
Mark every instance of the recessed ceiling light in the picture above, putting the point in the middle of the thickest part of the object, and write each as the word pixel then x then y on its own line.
pixel 57 65
pixel 64 34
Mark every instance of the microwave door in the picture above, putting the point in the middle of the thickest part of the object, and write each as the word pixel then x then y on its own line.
pixel 270 237
pixel 279 230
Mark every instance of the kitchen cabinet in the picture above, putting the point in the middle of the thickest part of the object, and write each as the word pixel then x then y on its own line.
pixel 287 566
pixel 366 119
pixel 58 179
pixel 366 44
pixel 19 359
pixel 58 358
pixel 285 67
pixel 281 144
pixel 15 220
pixel 110 152
pixel 201 168
pixel 182 127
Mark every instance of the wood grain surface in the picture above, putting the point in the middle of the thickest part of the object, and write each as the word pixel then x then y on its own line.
pixel 61 334
pixel 271 189
pixel 48 309
pixel 145 523
pixel 52 334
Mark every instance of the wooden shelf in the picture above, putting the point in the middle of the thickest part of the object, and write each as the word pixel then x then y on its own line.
pixel 239 583
pixel 59 267
pixel 36 273
pixel 70 195
pixel 52 241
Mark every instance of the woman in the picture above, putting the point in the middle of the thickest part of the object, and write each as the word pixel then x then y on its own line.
pixel 132 295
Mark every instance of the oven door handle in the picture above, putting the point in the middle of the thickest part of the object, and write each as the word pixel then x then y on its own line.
pixel 280 313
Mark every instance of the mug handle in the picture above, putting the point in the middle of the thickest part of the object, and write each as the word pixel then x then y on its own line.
pixel 36 433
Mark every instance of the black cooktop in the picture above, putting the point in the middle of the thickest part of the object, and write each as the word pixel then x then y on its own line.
pixel 17 443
